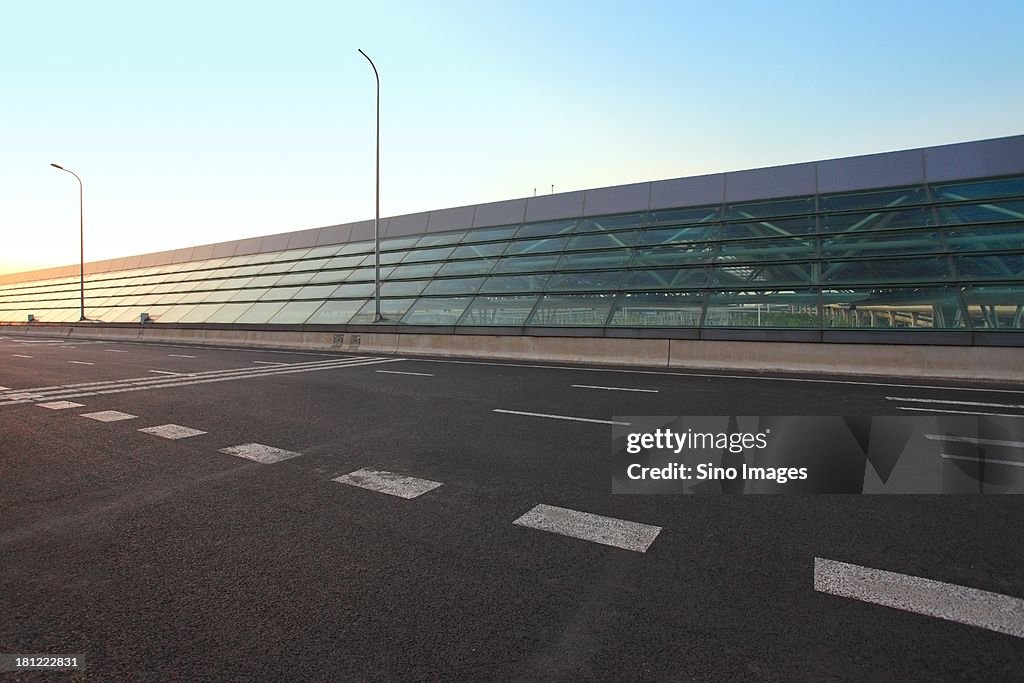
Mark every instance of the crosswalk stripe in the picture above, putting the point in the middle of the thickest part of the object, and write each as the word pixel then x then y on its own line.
pixel 388 482
pixel 590 527
pixel 260 453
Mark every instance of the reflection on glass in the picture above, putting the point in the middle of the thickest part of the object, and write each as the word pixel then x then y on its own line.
pixel 336 312
pixel 878 199
pixel 667 278
pixel 657 309
pixel 436 311
pixel 572 310
pixel 391 310
pixel 771 308
pixel 603 223
pixel 892 307
pixel 260 313
pixel 881 243
pixel 295 313
pixel 991 267
pixel 923 269
pixel 515 283
pixel 995 307
pixel 506 311
pixel 465 285
pixel 585 282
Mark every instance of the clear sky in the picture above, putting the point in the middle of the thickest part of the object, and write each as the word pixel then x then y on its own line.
pixel 196 122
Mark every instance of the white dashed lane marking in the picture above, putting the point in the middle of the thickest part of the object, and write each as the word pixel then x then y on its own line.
pixel 399 372
pixel 116 350
pixel 60 405
pixel 80 362
pixel 590 386
pixel 268 362
pixel 975 404
pixel 562 417
pixel 179 355
pixel 171 431
pixel 971 606
pixel 164 372
pixel 590 527
pixel 20 355
pixel 389 483
pixel 109 416
pixel 260 453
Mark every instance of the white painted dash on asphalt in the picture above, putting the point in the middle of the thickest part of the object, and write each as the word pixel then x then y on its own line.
pixel 171 431
pixel 975 440
pixel 268 362
pixel 20 355
pixel 4 388
pixel 590 386
pixel 179 355
pixel 115 350
pixel 164 372
pixel 80 362
pixel 389 483
pixel 60 405
pixel 562 417
pixel 958 412
pixel 399 372
pixel 976 404
pixel 987 461
pixel 590 527
pixel 109 416
pixel 971 606
pixel 260 453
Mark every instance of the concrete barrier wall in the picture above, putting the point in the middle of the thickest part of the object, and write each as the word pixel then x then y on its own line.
pixel 964 363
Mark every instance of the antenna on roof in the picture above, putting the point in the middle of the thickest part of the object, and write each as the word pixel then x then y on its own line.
pixel 552 189
pixel 535 192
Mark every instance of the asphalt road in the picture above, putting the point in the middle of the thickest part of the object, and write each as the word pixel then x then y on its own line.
pixel 167 559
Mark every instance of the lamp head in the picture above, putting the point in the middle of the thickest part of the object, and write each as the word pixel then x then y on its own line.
pixel 56 166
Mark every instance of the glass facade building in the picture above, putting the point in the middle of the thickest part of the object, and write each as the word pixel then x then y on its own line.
pixel 917 258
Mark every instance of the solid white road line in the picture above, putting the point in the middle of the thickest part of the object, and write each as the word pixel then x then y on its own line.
pixel 589 527
pixel 268 362
pixel 80 362
pixel 179 355
pixel 109 416
pixel 20 355
pixel 171 431
pixel 984 460
pixel 958 412
pixel 562 417
pixel 590 386
pixel 60 405
pixel 260 453
pixel 971 439
pixel 971 606
pixel 115 350
pixel 955 403
pixel 165 372
pixel 399 372
pixel 388 482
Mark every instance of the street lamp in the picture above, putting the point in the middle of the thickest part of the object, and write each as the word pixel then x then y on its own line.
pixel 376 219
pixel 81 240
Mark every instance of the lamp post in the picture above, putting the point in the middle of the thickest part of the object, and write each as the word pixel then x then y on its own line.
pixel 376 218
pixel 81 240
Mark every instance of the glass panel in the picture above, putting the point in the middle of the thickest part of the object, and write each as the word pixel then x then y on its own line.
pixel 699 214
pixel 343 262
pixel 321 252
pixel 983 213
pixel 515 283
pixel 504 232
pixel 275 267
pixel 479 250
pixel 467 285
pixel 692 234
pixel 602 223
pixel 775 308
pixel 194 297
pixel 509 311
pixel 355 248
pixel 481 267
pixel 249 294
pixel 881 244
pixel 879 199
pixel 391 310
pixel 776 207
pixel 357 290
pixel 667 278
pixel 442 239
pixel 292 255
pixel 437 254
pixel 542 229
pixel 386 258
pixel 314 264
pixel 264 258
pixel 763 276
pixel 991 267
pixel 171 315
pixel 984 238
pixel 260 313
pixel 986 189
pixel 444 311
pixel 265 281
pixel 584 282
pixel 657 309
pixel 877 220
pixel 281 293
pixel 936 307
pixel 363 274
pixel 604 240
pixel 536 246
pixel 237 283
pixel 526 263
pixel 218 295
pixel 228 313
pixel 403 287
pixel 767 250
pixel 418 270
pixel 335 276
pixel 776 228
pixel 679 254
pixel 395 243
pixel 316 292
pixel 200 313
pixel 169 299
pixel 995 307
pixel 295 313
pixel 336 312
pixel 599 259
pixel 887 270
pixel 572 310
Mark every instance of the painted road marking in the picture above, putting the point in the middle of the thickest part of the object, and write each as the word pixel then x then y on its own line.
pixel 4 388
pixel 987 461
pixel 268 362
pixel 971 606
pixel 179 355
pixel 171 431
pixel 562 417
pixel 590 527
pixel 260 453
pixel 589 386
pixel 115 350
pixel 60 405
pixel 109 416
pixel 976 404
pixel 20 355
pixel 80 362
pixel 959 412
pixel 971 439
pixel 389 483
pixel 399 372
pixel 165 372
